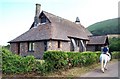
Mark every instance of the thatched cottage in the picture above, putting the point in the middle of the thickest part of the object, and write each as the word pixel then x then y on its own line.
pixel 51 32
pixel 96 42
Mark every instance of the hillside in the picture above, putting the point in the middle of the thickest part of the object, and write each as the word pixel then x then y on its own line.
pixel 105 27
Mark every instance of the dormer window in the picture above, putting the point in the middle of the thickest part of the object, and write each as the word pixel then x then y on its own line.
pixel 43 19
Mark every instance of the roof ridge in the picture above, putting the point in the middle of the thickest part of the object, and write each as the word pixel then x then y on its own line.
pixel 51 14
pixel 62 18
pixel 57 16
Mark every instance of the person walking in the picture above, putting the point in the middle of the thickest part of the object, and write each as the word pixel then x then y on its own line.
pixel 105 49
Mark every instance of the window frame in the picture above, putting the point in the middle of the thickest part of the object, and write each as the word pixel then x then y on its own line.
pixel 59 44
pixel 43 20
pixel 31 46
pixel 45 45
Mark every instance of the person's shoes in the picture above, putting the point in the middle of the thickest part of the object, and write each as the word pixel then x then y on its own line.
pixel 105 68
pixel 102 70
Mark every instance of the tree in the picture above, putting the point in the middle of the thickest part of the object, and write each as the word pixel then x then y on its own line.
pixel 114 44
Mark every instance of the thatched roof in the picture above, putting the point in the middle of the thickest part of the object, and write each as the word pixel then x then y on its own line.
pixel 57 28
pixel 98 40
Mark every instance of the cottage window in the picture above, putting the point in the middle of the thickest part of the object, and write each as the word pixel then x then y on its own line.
pixel 58 44
pixel 18 45
pixel 43 19
pixel 45 45
pixel 31 46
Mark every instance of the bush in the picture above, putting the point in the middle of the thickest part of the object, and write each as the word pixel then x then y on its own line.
pixel 59 59
pixel 114 44
pixel 116 55
pixel 91 57
pixel 82 59
pixel 40 67
pixel 12 63
pixel 55 59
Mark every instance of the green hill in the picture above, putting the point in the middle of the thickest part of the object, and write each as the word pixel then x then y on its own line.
pixel 105 27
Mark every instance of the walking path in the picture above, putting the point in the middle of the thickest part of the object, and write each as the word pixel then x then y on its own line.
pixel 112 71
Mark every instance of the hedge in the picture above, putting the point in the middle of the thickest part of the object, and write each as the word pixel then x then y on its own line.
pixel 53 60
pixel 12 63
pixel 116 55
pixel 62 60
pixel 40 67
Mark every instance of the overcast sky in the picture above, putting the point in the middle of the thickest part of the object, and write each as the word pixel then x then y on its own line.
pixel 16 16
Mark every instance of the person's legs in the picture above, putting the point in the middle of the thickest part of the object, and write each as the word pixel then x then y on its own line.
pixel 105 65
pixel 102 67
pixel 111 56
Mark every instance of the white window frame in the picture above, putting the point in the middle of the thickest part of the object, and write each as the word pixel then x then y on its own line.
pixel 31 46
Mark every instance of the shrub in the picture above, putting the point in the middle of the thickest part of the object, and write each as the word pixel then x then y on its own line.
pixel 114 44
pixel 55 59
pixel 116 55
pixel 59 59
pixel 82 59
pixel 91 57
pixel 12 63
pixel 40 67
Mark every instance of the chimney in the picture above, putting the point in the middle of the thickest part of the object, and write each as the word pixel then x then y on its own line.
pixel 36 18
pixel 37 12
pixel 77 20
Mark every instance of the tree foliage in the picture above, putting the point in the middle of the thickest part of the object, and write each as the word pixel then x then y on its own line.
pixel 114 44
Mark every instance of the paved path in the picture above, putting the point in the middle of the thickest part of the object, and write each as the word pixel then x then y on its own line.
pixel 111 72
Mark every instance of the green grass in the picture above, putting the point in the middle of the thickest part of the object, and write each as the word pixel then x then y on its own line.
pixel 73 72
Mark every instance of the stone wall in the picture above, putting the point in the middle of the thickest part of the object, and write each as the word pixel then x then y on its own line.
pixel 23 48
pixel 90 48
pixel 14 47
pixel 39 48
pixel 64 46
pixel 94 47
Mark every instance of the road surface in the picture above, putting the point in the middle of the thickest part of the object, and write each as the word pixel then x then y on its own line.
pixel 112 71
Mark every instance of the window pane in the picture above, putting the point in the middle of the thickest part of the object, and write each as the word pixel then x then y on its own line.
pixel 31 46
pixel 43 20
pixel 58 44
pixel 45 45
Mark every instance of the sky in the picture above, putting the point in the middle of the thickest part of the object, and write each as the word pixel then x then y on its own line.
pixel 16 16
